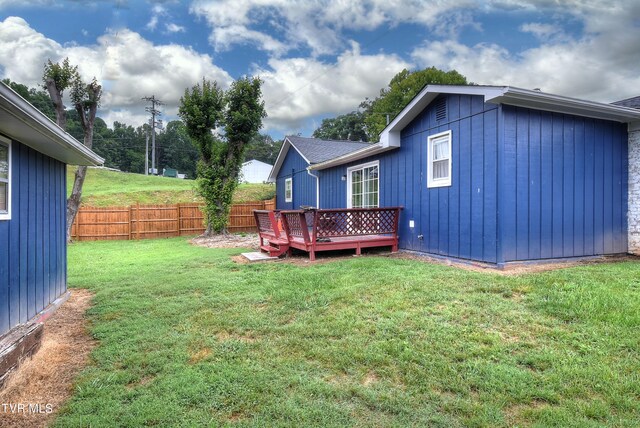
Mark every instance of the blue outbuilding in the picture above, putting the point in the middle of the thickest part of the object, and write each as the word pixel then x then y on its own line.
pixel 34 153
pixel 494 174
pixel 296 186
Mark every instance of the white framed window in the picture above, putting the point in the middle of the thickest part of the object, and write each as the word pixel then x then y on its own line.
pixel 363 185
pixel 288 189
pixel 439 160
pixel 5 179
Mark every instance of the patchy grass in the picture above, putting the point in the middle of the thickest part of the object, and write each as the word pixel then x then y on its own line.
pixel 190 338
pixel 104 188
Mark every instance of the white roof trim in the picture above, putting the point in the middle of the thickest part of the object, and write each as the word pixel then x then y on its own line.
pixel 372 150
pixel 273 175
pixel 390 136
pixel 26 124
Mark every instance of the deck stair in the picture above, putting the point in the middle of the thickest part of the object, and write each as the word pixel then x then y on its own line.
pixel 272 239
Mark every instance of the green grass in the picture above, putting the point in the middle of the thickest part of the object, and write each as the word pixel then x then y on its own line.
pixel 189 338
pixel 104 188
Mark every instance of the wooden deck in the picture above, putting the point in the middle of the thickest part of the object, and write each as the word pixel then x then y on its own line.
pixel 325 230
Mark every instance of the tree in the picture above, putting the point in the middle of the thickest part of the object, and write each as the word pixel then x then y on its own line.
pixel 176 150
pixel 263 148
pixel 402 88
pixel 57 79
pixel 350 126
pixel 238 113
pixel 85 99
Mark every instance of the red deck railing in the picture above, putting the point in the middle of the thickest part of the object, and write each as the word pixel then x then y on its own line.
pixel 336 229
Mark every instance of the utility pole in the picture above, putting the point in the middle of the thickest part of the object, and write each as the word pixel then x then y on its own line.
pixel 154 112
pixel 146 154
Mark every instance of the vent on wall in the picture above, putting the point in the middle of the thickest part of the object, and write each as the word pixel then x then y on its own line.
pixel 441 109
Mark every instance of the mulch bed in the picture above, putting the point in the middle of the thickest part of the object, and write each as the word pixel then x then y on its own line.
pixel 46 381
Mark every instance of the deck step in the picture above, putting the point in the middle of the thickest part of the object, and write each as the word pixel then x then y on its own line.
pixel 274 251
pixel 278 242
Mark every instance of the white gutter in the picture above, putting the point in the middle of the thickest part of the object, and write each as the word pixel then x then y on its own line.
pixel 317 188
pixel 372 150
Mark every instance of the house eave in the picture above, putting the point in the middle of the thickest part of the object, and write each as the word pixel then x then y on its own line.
pixel 372 150
pixel 390 135
pixel 26 124
pixel 560 104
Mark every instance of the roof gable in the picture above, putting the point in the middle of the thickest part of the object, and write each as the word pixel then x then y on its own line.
pixel 390 136
pixel 315 150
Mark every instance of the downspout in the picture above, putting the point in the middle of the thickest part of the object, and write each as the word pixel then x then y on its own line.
pixel 317 188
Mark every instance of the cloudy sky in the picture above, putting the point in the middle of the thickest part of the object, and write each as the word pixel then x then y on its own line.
pixel 321 58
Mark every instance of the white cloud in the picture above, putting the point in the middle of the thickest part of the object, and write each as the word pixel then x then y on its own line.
pixel 298 88
pixel 601 65
pixel 174 28
pixel 318 25
pixel 156 12
pixel 128 66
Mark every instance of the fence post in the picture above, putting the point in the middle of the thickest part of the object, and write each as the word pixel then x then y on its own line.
pixel 178 219
pixel 130 209
pixel 138 220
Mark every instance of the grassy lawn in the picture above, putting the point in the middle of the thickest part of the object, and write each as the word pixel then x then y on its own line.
pixel 103 188
pixel 189 338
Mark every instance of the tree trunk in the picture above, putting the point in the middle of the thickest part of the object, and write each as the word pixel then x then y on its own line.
pixel 56 98
pixel 73 203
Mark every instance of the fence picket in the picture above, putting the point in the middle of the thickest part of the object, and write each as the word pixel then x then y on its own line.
pixel 154 221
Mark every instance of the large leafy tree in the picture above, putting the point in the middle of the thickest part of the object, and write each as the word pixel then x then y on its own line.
pixel 85 98
pixel 402 88
pixel 263 148
pixel 237 114
pixel 350 126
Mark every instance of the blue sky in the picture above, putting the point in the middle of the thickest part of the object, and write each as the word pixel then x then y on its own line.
pixel 321 58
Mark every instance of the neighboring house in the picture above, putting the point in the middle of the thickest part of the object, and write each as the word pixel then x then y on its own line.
pixel 34 153
pixel 255 171
pixel 295 185
pixel 497 174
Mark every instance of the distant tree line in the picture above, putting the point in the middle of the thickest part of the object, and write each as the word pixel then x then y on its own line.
pixel 123 146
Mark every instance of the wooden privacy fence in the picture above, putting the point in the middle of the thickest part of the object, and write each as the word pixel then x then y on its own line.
pixel 157 221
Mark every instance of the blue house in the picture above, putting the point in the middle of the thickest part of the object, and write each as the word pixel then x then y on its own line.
pixel 34 153
pixel 496 174
pixel 295 185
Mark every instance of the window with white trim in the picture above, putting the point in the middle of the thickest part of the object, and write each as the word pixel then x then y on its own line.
pixel 288 189
pixel 439 160
pixel 363 187
pixel 5 179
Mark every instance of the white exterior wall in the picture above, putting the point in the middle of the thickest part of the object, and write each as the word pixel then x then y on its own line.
pixel 254 171
pixel 634 190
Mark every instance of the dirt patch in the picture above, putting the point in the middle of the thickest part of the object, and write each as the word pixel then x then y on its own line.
pixel 199 355
pixel 46 381
pixel 515 268
pixel 249 240
pixel 369 379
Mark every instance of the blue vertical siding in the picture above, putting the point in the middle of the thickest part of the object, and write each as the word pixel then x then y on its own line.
pixel 457 221
pixel 304 186
pixel 32 243
pixel 526 184
pixel 564 186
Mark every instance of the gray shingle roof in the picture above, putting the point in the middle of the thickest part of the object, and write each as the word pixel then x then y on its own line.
pixel 629 102
pixel 317 150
